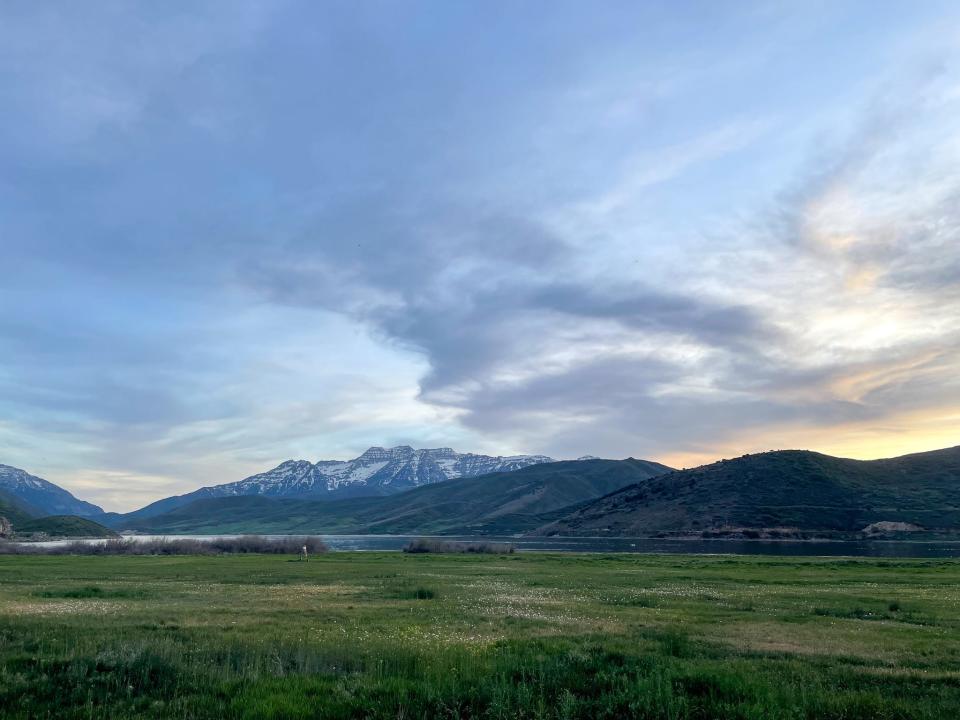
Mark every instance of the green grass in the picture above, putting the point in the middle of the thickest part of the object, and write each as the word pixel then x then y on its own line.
pixel 390 635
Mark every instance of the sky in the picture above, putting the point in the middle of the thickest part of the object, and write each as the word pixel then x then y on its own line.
pixel 234 233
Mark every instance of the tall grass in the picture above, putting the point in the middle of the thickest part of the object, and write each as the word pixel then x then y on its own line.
pixel 206 675
pixel 530 636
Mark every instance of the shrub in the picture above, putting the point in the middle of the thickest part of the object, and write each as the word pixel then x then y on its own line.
pixel 90 591
pixel 676 643
pixel 431 545
pixel 420 593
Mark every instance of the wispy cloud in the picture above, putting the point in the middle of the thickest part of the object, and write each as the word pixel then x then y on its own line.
pixel 253 231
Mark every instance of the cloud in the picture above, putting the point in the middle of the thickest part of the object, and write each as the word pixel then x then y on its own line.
pixel 261 230
pixel 477 296
pixel 830 329
pixel 650 168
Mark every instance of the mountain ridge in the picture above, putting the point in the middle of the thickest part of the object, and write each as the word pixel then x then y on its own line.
pixel 511 501
pixel 40 496
pixel 785 489
pixel 781 491
pixel 377 471
pixel 21 518
pixel 12 513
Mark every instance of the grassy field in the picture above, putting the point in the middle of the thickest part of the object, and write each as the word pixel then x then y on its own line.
pixel 385 635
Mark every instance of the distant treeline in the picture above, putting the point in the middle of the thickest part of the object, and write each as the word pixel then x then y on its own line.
pixel 215 546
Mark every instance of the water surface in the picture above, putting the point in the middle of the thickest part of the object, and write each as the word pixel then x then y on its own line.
pixel 791 548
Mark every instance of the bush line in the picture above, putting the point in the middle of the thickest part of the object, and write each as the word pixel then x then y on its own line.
pixel 431 545
pixel 216 546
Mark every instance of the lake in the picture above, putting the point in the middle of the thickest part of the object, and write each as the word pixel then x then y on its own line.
pixel 791 548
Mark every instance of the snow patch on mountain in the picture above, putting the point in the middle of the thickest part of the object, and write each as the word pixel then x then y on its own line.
pixel 376 471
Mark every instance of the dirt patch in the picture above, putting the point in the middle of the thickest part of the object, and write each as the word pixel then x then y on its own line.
pixel 65 607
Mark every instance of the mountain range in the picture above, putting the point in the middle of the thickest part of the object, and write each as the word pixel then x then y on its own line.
pixel 503 502
pixel 406 491
pixel 378 471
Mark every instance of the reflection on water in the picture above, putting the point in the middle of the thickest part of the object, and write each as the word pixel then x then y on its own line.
pixel 636 545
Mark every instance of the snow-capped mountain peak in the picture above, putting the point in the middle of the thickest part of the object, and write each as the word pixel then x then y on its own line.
pixel 378 471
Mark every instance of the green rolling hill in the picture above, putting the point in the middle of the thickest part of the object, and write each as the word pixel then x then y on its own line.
pixel 14 510
pixel 63 526
pixel 797 489
pixel 509 502
pixel 24 520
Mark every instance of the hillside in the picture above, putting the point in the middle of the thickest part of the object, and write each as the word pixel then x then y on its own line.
pixel 24 518
pixel 42 496
pixel 498 503
pixel 13 510
pixel 378 471
pixel 62 526
pixel 784 489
